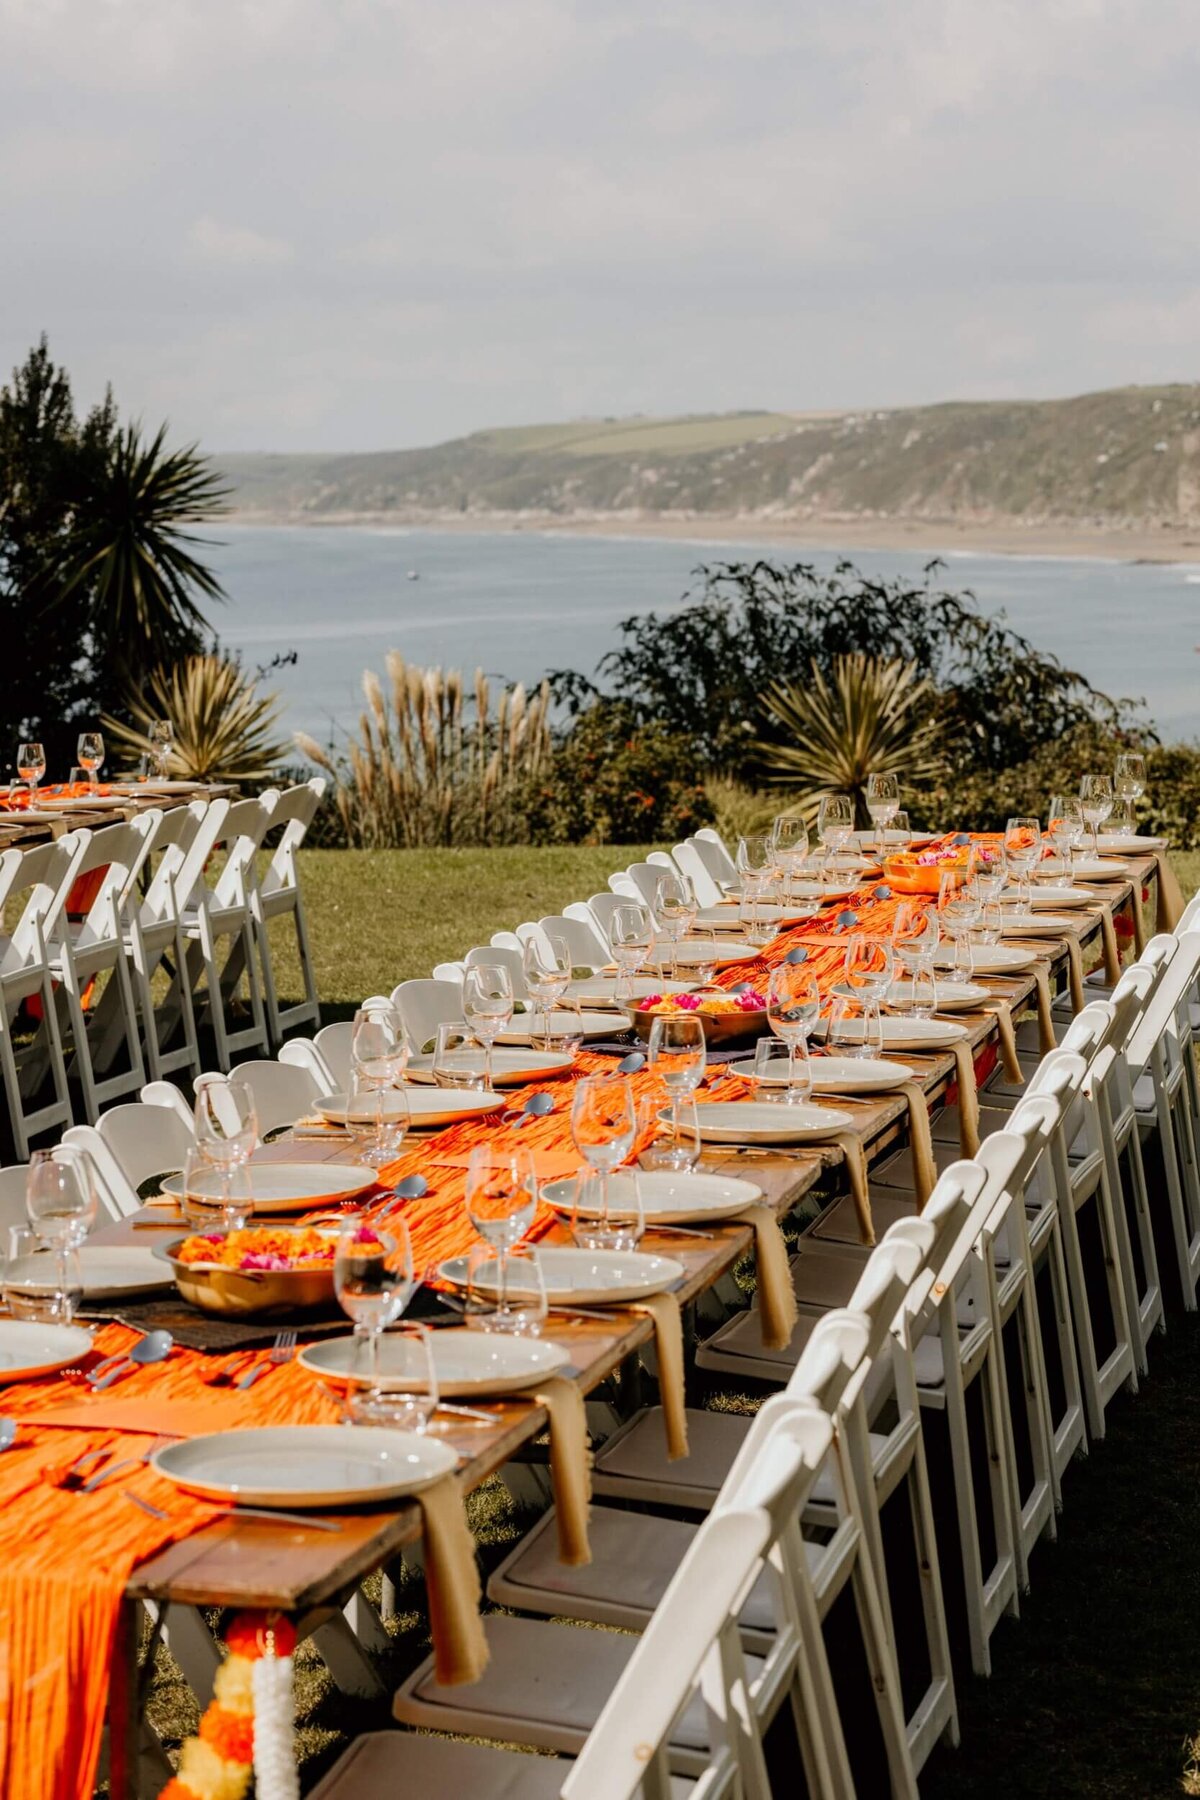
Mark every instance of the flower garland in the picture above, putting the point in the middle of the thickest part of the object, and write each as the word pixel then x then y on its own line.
pixel 248 1724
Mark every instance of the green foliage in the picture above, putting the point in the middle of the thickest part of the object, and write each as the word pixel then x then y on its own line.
pixel 872 716
pixel 223 725
pixel 706 669
pixel 613 779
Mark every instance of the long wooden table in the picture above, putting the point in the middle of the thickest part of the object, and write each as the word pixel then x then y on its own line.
pixel 239 1563
pixel 19 833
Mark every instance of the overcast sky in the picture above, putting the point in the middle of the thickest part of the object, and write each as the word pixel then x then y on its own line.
pixel 355 224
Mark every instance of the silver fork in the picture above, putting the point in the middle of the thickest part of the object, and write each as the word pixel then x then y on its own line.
pixel 106 1474
pixel 280 1352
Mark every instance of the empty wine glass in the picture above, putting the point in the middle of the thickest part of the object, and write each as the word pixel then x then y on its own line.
pixel 675 911
pixel 793 1006
pixel 835 825
pixel 1096 803
pixel 916 935
pixel 31 766
pixel 487 1007
pixel 958 915
pixel 377 1119
pixel 989 870
pixel 162 740
pixel 900 834
pixel 869 965
pixel 677 1055
pixel 546 963
pixel 1065 828
pixel 883 803
pixel 855 1027
pixel 1129 781
pixel 631 940
pixel 501 1201
pixel 1023 852
pixel 789 840
pixel 60 1204
pixel 378 1045
pixel 374 1280
pixel 89 752
pixel 603 1127
pixel 41 1283
pixel 226 1118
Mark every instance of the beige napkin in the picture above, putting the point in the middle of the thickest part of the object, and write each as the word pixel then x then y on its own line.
pixel 668 1345
pixel 1112 954
pixel 1045 1010
pixel 851 1148
pixel 776 1293
pixel 460 1650
pixel 1139 923
pixel 920 1139
pixel 1170 894
pixel 968 1099
pixel 1010 1062
pixel 1075 971
pixel 570 1468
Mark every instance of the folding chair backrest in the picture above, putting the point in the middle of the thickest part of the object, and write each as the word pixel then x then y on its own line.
pixel 115 1192
pixel 45 876
pixel 329 1065
pixel 586 946
pixel 690 862
pixel 210 829
pixel 645 877
pixel 246 825
pixel 506 940
pixel 283 1092
pixel 145 1140
pixel 12 1203
pixel 170 842
pixel 496 956
pixel 603 906
pixel 295 809
pixel 116 854
pixel 424 1005
pixel 717 859
pixel 1162 957
pixel 622 883
pixel 166 1094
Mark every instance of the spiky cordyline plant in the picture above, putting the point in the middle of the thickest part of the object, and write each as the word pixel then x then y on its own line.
pixel 431 767
pixel 874 717
pixel 223 725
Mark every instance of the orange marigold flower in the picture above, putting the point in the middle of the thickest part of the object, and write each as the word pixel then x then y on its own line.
pixel 177 1790
pixel 230 1734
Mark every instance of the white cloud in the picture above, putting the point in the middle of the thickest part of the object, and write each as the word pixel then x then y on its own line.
pixel 211 241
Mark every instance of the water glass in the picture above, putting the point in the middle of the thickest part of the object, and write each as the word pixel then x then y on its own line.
pixel 31 766
pixel 374 1280
pixel 378 1044
pixel 377 1120
pixel 958 912
pixel 501 1201
pixel 620 1223
pixel 793 1006
pixel 855 1027
pixel 675 909
pixel 546 964
pixel 40 1283
pixel 915 934
pixel 522 1310
pixel 631 940
pixel 677 1055
pixel 60 1199
pixel 604 1123
pixel 459 1059
pixel 922 991
pixel 774 1071
pixel 488 1007
pixel 835 823
pixel 1023 852
pixel 216 1196
pixel 1065 828
pixel 755 915
pixel 900 834
pixel 90 754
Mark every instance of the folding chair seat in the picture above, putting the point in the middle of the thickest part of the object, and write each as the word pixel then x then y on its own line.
pixel 35 883
pixel 277 895
pixel 220 915
pixel 547 1684
pixel 83 950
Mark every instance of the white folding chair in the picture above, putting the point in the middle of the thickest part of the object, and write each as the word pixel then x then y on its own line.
pixel 277 895
pixel 147 1142
pixel 690 862
pixel 1156 1056
pixel 305 1054
pixel 84 950
pixel 219 914
pixel 717 859
pixel 424 1005
pixel 603 906
pixel 117 1197
pixel 154 941
pixel 283 1092
pixel 35 883
pixel 588 949
pixel 167 1095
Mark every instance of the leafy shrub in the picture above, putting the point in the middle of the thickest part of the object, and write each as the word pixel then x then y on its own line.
pixel 614 780
pixel 223 725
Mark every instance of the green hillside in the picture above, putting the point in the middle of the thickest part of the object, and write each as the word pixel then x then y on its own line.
pixel 1124 458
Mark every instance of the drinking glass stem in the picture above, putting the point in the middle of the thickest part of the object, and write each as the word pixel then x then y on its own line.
pixel 502 1280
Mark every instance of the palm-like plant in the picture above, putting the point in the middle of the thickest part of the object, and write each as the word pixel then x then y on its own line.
pixel 129 551
pixel 874 717
pixel 223 725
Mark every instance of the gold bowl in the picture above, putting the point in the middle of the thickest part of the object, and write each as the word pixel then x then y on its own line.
pixel 719 1028
pixel 249 1293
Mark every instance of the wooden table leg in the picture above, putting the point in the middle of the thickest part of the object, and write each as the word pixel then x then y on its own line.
pixel 124 1723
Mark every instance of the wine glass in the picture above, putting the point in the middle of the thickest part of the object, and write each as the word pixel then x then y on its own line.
pixel 989 870
pixel 89 753
pixel 1023 852
pixel 1096 803
pixel 162 739
pixel 631 940
pixel 31 766
pixel 1129 781
pixel 377 1119
pixel 900 836
pixel 525 1307
pixel 789 841
pixel 958 914
pixel 1065 827
pixel 226 1118
pixel 793 1005
pixel 916 935
pixel 603 1128
pixel 546 963
pixel 60 1204
pixel 883 803
pixel 488 1007
pixel 216 1196
pixel 869 967
pixel 374 1280
pixel 835 824
pixel 501 1201
pixel 677 1055
pixel 378 1044
pixel 675 912
pixel 458 1059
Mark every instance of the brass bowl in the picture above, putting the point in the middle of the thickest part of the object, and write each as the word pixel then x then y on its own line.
pixel 719 1028
pixel 248 1293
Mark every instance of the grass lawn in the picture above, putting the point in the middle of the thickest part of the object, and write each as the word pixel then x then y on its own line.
pixel 377 917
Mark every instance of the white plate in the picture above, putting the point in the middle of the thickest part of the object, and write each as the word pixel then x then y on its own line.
pixel 436 1106
pixel 1050 895
pixel 952 996
pixel 601 990
pixel 83 802
pixel 990 959
pixel 27 1349
pixel 911 1034
pixel 155 786
pixel 756 1122
pixel 726 918
pixel 510 1068
pixel 1123 843
pixel 667 1198
pixel 528 1026
pixel 1099 868
pixel 1035 924
pixel 695 952
pixel 306 1465
pixel 583 1277
pixel 277 1187
pixel 120 1269
pixel 465 1362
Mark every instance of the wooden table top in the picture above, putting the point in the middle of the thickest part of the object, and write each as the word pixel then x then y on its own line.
pixel 21 835
pixel 237 1562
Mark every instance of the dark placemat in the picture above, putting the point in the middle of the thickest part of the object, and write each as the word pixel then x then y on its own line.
pixel 203 1331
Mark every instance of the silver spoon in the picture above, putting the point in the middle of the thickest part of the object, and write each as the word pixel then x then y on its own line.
pixel 629 1065
pixel 155 1347
pixel 8 1432
pixel 536 1107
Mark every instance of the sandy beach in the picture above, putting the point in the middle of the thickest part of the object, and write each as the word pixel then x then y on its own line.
pixel 1009 537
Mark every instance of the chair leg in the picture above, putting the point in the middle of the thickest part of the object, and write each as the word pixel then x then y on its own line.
pixel 1069 1433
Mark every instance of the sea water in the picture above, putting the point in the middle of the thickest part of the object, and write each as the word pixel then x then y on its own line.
pixel 520 604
